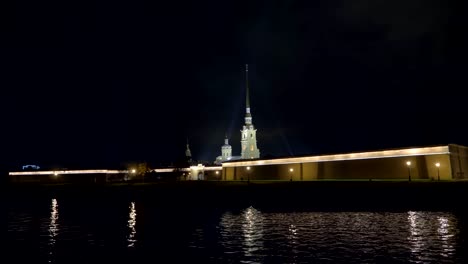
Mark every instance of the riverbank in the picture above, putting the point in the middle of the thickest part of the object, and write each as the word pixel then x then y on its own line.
pixel 313 195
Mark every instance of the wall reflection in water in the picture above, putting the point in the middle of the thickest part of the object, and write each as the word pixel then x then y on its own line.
pixel 251 236
pixel 131 240
pixel 84 231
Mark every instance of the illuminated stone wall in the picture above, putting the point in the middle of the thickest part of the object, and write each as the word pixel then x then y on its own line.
pixel 310 171
pixel 213 175
pixel 421 167
pixel 459 161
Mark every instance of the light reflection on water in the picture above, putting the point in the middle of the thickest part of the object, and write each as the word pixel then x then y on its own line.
pixel 251 235
pixel 431 234
pixel 53 228
pixel 131 225
pixel 345 237
pixel 252 229
pixel 416 238
pixel 53 225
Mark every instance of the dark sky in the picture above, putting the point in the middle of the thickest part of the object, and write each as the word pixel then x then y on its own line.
pixel 98 83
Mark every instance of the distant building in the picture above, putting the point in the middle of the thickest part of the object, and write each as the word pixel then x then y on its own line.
pixel 444 163
pixel 226 153
pixel 65 176
pixel 249 148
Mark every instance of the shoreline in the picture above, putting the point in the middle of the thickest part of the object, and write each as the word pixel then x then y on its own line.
pixel 313 195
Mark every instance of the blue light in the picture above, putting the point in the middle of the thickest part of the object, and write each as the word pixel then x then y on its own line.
pixel 33 167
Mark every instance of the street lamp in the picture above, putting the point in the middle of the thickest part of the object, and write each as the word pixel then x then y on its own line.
pixel 438 173
pixel 248 174
pixel 130 177
pixel 408 163
pixel 291 173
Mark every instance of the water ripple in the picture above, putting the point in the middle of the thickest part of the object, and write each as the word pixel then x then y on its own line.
pixel 351 237
pixel 52 230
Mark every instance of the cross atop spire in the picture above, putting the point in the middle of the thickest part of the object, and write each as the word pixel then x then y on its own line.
pixel 247 98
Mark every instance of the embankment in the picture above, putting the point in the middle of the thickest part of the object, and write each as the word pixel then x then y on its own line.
pixel 326 195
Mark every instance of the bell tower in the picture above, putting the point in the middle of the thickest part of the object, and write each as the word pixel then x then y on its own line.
pixel 226 149
pixel 248 132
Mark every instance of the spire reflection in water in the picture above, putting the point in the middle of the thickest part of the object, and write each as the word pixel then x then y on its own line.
pixel 131 225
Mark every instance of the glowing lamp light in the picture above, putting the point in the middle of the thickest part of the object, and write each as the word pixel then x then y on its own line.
pixel 55 173
pixel 409 170
pixel 133 171
pixel 217 172
pixel 291 169
pixel 248 168
pixel 438 171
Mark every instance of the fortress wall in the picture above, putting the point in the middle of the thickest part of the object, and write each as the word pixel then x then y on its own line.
pixel 422 167
pixel 212 176
pixel 310 171
pixel 445 171
pixel 268 172
pixel 228 173
pixel 459 161
pixel 284 172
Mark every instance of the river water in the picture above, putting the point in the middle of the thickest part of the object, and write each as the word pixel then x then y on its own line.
pixel 108 230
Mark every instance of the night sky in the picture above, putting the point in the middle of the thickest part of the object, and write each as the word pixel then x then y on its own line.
pixel 100 83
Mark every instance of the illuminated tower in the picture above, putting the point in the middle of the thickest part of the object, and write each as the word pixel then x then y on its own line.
pixel 248 132
pixel 188 154
pixel 226 150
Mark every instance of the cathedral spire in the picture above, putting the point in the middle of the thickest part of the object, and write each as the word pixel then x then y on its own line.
pixel 247 99
pixel 188 153
pixel 248 132
pixel 248 116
